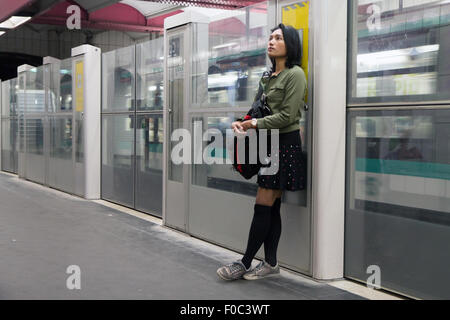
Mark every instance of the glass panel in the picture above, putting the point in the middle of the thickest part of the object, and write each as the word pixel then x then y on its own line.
pixel 61 138
pixel 79 141
pixel 60 97
pixel 6 145
pixel 9 145
pixel 398 199
pixel 4 102
pixel 14 87
pixel 34 97
pixel 149 162
pixel 175 65
pixel 117 158
pixel 35 136
pixel 20 96
pixel 118 80
pixel 9 98
pixel 219 176
pixel 226 67
pixel 400 51
pixel 150 76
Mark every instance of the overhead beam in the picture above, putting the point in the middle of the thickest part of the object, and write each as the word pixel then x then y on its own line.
pixel 9 8
pixel 102 25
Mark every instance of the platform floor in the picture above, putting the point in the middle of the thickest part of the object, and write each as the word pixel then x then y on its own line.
pixel 120 256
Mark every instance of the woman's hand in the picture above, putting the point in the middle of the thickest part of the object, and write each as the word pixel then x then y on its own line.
pixel 237 127
pixel 247 125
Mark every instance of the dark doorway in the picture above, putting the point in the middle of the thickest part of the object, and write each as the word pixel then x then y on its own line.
pixel 9 62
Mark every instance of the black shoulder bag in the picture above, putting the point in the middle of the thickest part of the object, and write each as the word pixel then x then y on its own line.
pixel 259 109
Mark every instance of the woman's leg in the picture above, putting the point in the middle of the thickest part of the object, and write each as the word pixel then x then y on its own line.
pixel 260 226
pixel 267 197
pixel 274 234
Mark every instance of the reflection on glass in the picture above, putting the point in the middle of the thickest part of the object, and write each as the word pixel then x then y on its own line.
pixel 398 199
pixel 61 138
pixel 402 49
pixel 219 176
pixel 35 136
pixel 118 80
pixel 149 144
pixel 117 158
pixel 9 98
pixel 9 134
pixel 175 66
pixel 33 98
pixel 149 162
pixel 118 137
pixel 150 76
pixel 227 67
pixel 401 159
pixel 60 87
pixel 21 111
pixel 65 83
pixel 79 142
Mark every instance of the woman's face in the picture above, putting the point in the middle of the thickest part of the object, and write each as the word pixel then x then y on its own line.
pixel 276 47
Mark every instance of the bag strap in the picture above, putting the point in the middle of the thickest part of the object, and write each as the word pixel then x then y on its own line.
pixel 260 94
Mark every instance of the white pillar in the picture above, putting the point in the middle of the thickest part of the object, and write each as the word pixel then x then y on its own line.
pixel 329 122
pixel 91 118
pixel 50 60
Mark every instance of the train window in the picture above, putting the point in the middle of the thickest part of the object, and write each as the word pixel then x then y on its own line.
pixel 400 51
pixel 400 160
pixel 226 68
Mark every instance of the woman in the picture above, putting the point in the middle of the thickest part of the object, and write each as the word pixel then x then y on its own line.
pixel 285 90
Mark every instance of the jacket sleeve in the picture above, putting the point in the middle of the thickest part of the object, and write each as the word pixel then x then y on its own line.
pixel 293 99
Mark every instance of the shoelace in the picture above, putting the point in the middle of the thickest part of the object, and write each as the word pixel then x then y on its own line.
pixel 235 267
pixel 259 267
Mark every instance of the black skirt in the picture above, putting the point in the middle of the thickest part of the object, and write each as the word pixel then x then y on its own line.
pixel 291 175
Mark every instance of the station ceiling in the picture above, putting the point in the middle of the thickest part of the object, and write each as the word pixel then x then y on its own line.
pixel 126 16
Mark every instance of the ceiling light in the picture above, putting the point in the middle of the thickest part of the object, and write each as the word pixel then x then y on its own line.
pixel 14 22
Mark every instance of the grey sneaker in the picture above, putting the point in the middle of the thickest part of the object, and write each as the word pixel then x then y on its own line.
pixel 232 271
pixel 262 270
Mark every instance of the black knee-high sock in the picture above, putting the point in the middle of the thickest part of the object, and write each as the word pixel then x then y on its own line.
pixel 273 236
pixel 258 232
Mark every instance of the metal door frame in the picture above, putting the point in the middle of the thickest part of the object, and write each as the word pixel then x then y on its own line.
pixel 186 31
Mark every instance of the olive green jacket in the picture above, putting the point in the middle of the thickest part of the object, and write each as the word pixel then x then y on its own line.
pixel 285 97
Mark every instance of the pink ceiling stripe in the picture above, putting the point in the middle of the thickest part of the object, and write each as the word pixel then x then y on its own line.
pixel 60 10
pixel 119 13
pixel 9 8
pixel 98 25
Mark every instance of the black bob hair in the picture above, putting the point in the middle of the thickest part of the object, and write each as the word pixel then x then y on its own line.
pixel 293 46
